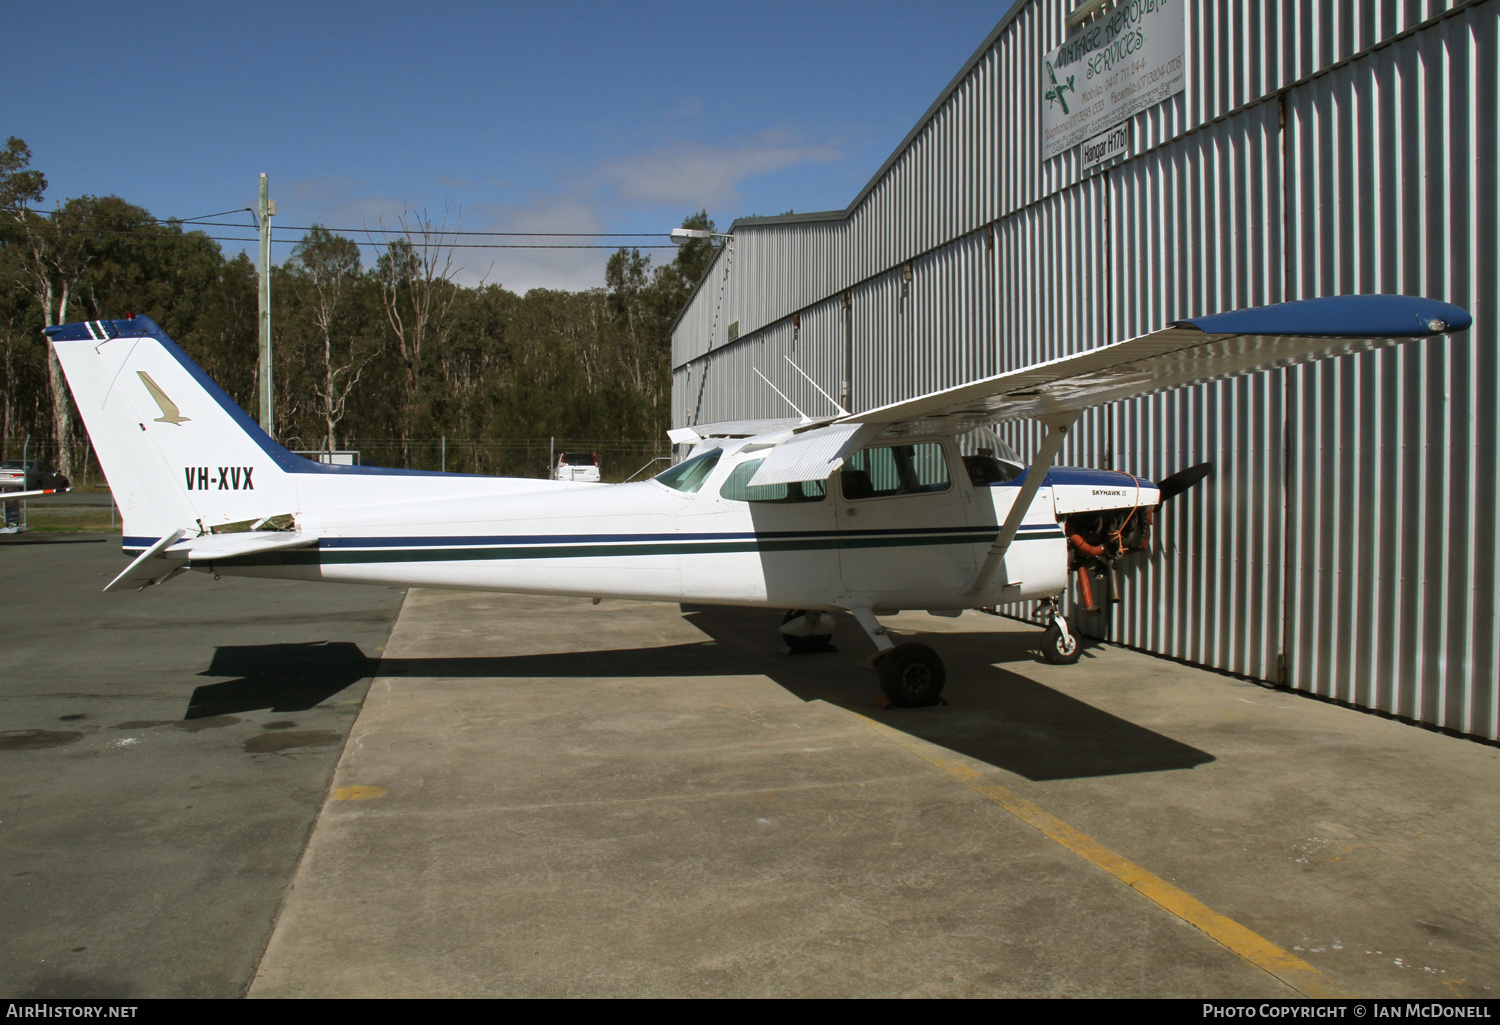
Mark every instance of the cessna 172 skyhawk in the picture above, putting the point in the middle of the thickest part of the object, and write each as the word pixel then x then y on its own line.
pixel 863 512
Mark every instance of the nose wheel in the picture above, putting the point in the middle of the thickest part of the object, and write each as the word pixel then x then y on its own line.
pixel 1059 646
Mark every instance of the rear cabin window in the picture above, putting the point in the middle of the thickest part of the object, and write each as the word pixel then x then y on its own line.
pixel 737 488
pixel 895 470
pixel 689 476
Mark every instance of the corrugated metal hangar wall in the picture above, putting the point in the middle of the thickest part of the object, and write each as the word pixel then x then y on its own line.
pixel 1347 543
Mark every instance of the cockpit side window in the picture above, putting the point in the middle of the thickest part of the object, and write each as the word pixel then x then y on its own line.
pixel 738 489
pixel 986 468
pixel 895 470
pixel 688 476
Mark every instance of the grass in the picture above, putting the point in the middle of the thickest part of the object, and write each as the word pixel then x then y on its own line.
pixel 62 519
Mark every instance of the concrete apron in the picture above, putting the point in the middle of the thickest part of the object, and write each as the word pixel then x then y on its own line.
pixel 543 798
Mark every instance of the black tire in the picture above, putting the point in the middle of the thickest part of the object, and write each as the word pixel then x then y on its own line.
pixel 912 676
pixel 1060 651
pixel 803 645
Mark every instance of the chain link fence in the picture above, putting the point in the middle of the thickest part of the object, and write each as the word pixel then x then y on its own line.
pixel 619 459
pixel 514 457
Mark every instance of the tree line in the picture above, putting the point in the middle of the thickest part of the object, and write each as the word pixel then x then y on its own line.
pixel 386 355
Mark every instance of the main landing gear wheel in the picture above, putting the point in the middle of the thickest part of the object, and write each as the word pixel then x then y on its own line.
pixel 1061 649
pixel 911 675
pixel 805 643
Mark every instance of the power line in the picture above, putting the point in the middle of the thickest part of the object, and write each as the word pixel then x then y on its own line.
pixel 66 229
pixel 203 220
pixel 201 217
pixel 503 234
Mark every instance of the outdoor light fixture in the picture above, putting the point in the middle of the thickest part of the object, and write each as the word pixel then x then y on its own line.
pixel 685 235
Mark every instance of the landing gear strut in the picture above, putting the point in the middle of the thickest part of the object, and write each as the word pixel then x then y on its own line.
pixel 1059 646
pixel 911 675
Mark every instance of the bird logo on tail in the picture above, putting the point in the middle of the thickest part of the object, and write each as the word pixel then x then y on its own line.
pixel 170 414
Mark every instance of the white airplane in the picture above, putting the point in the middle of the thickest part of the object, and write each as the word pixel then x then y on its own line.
pixel 863 513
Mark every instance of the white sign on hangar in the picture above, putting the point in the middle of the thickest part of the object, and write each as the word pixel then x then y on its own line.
pixel 1126 60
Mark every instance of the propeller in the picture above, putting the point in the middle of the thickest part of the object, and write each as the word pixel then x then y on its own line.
pixel 1180 481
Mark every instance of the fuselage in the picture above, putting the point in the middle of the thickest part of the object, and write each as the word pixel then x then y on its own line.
pixel 915 543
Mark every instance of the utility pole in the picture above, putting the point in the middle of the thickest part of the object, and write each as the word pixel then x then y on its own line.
pixel 265 211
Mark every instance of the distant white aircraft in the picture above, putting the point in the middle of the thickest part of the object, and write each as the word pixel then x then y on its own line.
pixel 865 512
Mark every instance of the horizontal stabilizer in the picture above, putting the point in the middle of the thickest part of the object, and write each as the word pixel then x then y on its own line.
pixel 10 496
pixel 150 567
pixel 222 547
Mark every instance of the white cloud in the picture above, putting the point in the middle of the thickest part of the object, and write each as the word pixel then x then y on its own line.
pixel 660 183
pixel 698 175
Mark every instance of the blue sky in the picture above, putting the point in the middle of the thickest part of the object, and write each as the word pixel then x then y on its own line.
pixel 561 116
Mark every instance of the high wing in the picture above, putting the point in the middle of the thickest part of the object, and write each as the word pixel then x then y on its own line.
pixel 1189 352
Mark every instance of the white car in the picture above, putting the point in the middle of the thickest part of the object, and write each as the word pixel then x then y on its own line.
pixel 578 466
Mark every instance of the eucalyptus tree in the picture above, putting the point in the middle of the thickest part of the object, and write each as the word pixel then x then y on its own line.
pixel 325 271
pixel 417 293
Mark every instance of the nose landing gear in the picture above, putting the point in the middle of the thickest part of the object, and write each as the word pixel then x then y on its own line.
pixel 1059 646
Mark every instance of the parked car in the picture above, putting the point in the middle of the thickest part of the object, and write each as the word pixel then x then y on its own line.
pixel 29 476
pixel 582 466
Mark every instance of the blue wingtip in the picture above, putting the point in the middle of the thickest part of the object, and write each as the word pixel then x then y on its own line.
pixel 1342 316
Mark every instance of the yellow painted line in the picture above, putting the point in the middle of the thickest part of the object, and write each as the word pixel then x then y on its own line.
pixel 1256 949
pixel 358 793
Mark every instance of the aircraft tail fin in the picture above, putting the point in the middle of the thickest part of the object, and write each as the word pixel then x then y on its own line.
pixel 178 452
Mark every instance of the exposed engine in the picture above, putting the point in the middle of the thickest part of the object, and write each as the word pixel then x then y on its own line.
pixel 1097 540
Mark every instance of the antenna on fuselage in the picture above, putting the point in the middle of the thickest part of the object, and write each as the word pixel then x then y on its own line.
pixel 841 409
pixel 777 390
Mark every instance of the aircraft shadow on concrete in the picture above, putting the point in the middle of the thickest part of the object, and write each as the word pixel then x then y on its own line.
pixel 295 677
pixel 278 677
pixel 994 715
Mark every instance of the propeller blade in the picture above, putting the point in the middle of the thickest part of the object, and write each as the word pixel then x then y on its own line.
pixel 1180 481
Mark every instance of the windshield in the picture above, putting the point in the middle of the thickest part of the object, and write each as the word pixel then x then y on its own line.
pixel 689 476
pixel 988 458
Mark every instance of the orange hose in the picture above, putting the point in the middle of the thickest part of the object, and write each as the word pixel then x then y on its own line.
pixel 1077 541
pixel 1087 589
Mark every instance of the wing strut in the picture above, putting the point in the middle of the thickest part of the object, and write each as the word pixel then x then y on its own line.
pixel 1058 426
